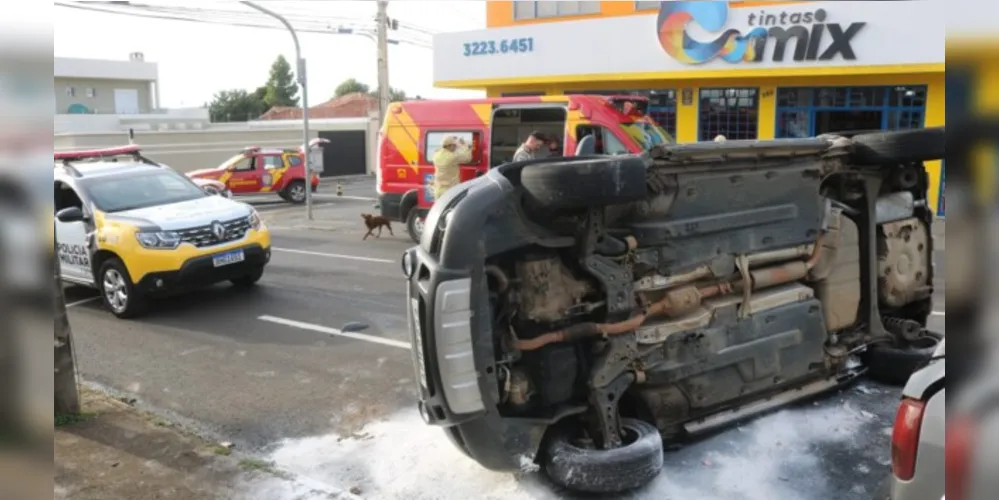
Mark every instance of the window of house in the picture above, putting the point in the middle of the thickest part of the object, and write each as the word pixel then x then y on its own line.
pixel 541 10
pixel 91 92
pixel 729 112
pixel 434 140
pixel 71 91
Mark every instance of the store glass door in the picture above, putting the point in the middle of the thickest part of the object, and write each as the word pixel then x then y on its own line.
pixel 807 112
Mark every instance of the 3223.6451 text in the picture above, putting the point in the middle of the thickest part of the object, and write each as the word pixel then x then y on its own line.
pixel 492 47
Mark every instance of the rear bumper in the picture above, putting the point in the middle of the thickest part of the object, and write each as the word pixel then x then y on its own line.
pixel 390 205
pixel 200 271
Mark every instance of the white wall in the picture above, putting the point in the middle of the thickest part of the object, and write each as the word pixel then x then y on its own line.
pixel 895 33
pixel 66 67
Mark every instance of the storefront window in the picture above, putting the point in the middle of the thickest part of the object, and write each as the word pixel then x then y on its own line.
pixel 807 112
pixel 729 112
pixel 541 10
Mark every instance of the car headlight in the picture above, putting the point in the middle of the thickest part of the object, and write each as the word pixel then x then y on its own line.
pixel 408 263
pixel 158 239
pixel 255 221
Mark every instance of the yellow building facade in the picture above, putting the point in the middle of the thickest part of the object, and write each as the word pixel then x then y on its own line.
pixel 745 70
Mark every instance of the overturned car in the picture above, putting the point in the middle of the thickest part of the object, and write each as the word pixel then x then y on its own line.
pixel 576 313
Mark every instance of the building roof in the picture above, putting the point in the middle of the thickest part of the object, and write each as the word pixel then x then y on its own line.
pixel 134 69
pixel 353 105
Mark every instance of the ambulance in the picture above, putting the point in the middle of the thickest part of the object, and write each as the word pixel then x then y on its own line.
pixel 495 128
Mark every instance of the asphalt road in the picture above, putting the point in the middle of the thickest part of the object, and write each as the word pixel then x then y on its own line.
pixel 260 368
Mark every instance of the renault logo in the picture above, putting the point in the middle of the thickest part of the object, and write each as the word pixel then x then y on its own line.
pixel 218 230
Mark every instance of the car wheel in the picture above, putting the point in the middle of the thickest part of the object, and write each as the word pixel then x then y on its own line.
pixel 586 183
pixel 295 192
pixel 414 225
pixel 617 470
pixel 117 291
pixel 894 363
pixel 904 146
pixel 250 279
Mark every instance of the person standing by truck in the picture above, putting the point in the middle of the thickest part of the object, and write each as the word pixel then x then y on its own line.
pixel 447 164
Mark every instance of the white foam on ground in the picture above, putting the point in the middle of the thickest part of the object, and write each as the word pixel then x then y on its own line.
pixel 773 457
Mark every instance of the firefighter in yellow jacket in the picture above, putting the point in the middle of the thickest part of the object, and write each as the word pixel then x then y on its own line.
pixel 447 160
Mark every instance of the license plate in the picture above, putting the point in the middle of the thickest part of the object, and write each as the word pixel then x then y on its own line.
pixel 228 258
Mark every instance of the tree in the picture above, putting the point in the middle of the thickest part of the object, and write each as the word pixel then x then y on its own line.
pixel 350 86
pixel 237 105
pixel 395 95
pixel 281 89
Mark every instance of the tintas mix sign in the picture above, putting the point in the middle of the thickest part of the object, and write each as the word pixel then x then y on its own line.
pixel 815 37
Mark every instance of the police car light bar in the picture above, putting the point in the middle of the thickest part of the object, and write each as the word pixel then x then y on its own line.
pixel 67 156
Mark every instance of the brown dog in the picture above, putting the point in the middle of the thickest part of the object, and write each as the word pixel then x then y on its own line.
pixel 376 222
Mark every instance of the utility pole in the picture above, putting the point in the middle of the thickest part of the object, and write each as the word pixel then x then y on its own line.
pixel 67 395
pixel 301 77
pixel 382 22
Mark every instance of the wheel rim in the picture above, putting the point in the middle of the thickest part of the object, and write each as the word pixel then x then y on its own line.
pixel 418 226
pixel 297 192
pixel 115 290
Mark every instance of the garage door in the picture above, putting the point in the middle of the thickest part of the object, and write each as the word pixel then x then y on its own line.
pixel 345 154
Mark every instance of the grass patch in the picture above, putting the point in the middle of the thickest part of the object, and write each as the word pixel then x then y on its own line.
pixel 221 450
pixel 256 464
pixel 67 419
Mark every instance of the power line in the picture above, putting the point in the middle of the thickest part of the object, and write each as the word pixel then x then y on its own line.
pixel 327 26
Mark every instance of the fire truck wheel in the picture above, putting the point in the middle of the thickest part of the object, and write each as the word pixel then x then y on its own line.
pixel 295 192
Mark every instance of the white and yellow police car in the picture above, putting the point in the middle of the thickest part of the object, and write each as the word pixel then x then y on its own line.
pixel 133 229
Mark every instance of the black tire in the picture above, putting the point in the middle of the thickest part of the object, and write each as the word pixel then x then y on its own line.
pixel 889 148
pixel 586 183
pixel 414 226
pixel 128 301
pixel 248 280
pixel 894 363
pixel 295 192
pixel 611 471
pixel 284 195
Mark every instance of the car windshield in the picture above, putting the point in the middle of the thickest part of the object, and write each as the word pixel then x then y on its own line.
pixel 117 194
pixel 647 134
pixel 232 161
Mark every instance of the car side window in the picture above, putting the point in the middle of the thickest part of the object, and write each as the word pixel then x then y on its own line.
pixel 272 162
pixel 434 140
pixel 606 142
pixel 294 160
pixel 244 165
pixel 66 197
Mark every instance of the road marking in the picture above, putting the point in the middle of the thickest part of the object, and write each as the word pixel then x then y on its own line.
pixel 333 255
pixel 333 331
pixel 938 313
pixel 82 301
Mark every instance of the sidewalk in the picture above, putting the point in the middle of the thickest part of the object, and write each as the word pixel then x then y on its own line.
pixel 115 451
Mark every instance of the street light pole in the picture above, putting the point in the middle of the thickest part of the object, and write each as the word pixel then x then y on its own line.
pixel 302 80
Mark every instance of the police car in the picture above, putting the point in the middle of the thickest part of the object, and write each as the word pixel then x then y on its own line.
pixel 134 229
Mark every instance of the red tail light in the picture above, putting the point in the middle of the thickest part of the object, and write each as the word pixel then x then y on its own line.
pixel 905 438
pixel 958 448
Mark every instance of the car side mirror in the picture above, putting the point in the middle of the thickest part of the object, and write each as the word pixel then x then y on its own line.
pixel 71 214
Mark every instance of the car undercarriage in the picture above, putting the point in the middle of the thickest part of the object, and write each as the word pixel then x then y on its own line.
pixel 617 302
